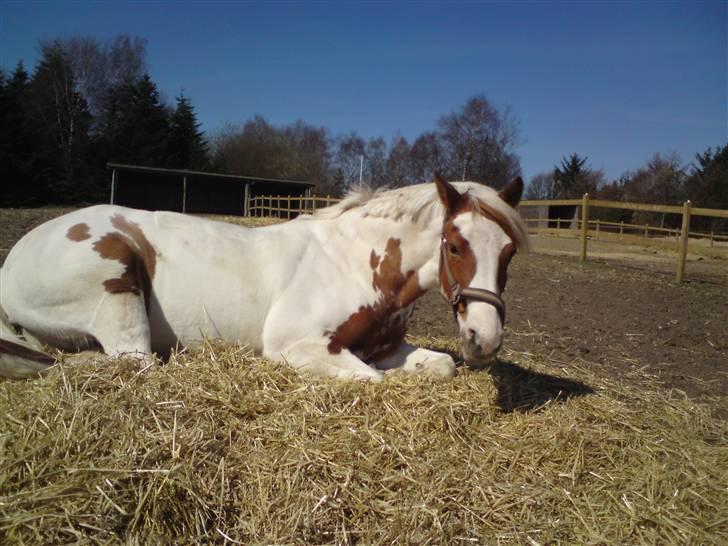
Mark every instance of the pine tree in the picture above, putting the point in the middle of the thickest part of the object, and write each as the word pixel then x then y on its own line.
pixel 187 145
pixel 708 185
pixel 135 124
pixel 62 120
pixel 16 142
pixel 573 179
pixel 567 178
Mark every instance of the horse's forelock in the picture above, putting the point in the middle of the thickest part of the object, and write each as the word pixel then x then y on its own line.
pixel 483 201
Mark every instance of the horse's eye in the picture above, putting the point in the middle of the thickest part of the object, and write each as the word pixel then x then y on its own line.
pixel 453 250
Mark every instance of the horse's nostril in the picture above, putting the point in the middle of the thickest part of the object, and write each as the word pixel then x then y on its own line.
pixel 471 334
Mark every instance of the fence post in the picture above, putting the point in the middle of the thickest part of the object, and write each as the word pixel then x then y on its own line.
pixel 184 194
pixel 711 239
pixel 683 251
pixel 621 230
pixel 597 234
pixel 288 214
pixel 584 226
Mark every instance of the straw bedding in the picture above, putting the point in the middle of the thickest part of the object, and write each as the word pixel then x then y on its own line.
pixel 217 446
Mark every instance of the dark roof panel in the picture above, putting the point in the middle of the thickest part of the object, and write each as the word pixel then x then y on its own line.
pixel 184 172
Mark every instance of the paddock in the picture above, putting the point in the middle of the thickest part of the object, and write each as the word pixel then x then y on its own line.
pixel 605 420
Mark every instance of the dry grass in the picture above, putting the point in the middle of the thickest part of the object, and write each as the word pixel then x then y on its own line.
pixel 220 446
pixel 246 221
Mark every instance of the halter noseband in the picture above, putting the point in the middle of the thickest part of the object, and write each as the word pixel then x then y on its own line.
pixel 459 293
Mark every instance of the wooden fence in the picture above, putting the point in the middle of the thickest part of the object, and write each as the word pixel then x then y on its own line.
pixel 582 227
pixel 681 237
pixel 620 231
pixel 287 206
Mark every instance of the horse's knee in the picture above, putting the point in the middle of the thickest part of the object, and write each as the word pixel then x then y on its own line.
pixel 437 365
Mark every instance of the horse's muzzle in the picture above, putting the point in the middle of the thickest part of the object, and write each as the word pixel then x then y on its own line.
pixel 475 353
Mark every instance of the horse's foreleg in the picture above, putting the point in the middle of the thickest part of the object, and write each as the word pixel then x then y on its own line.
pixel 121 326
pixel 314 356
pixel 411 359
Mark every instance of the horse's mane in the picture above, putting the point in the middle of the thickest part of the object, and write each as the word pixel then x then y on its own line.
pixel 420 203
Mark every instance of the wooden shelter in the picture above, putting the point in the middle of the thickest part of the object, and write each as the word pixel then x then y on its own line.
pixel 178 190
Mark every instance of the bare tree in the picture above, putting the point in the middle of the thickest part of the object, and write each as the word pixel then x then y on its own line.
pixel 310 150
pixel 427 156
pixel 660 181
pixel 100 66
pixel 479 142
pixel 297 151
pixel 541 186
pixel 350 149
pixel 375 163
pixel 398 163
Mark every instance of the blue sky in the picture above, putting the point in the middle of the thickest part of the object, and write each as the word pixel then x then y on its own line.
pixel 614 81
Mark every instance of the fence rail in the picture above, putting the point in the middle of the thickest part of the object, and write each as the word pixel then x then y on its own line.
pixel 682 236
pixel 287 206
pixel 645 207
pixel 586 228
pixel 568 226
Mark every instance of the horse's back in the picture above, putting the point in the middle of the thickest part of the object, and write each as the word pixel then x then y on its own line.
pixel 194 277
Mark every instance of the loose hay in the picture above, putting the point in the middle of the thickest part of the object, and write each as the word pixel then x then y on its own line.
pixel 220 446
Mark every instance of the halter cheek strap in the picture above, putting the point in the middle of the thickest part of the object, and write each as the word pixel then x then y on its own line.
pixel 459 293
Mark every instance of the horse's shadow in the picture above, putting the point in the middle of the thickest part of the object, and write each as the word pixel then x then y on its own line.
pixel 524 390
pixel 520 389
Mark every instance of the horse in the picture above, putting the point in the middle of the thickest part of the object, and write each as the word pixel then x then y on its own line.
pixel 328 293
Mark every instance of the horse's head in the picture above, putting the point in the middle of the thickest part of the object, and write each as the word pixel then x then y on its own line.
pixel 479 238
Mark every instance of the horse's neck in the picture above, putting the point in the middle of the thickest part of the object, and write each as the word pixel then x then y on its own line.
pixel 412 247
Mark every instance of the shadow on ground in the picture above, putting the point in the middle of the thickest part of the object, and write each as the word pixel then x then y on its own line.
pixel 524 390
pixel 520 389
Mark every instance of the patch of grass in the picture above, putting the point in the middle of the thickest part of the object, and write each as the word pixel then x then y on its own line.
pixel 246 221
pixel 220 446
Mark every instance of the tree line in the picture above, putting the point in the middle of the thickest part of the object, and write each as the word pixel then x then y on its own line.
pixel 473 142
pixel 664 180
pixel 89 102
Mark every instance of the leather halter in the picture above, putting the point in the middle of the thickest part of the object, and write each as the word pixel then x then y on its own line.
pixel 463 294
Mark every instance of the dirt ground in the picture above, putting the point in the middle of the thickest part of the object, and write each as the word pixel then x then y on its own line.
pixel 624 317
pixel 620 312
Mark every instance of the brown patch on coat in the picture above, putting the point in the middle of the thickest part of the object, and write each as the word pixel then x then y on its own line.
pixel 78 232
pixel 144 248
pixel 373 331
pixel 373 260
pixel 462 263
pixel 130 247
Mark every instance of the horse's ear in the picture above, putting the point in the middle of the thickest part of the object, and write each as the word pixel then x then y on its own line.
pixel 449 196
pixel 513 191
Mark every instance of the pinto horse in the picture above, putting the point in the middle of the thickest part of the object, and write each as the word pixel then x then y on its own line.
pixel 329 294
